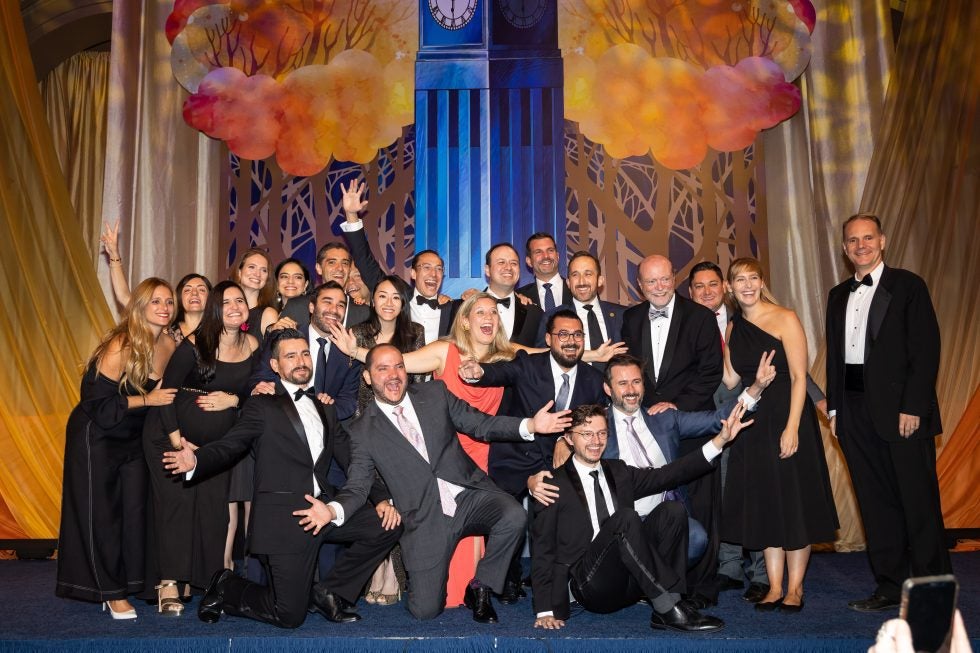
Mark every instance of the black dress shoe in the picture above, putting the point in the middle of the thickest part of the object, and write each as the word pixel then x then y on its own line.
pixel 209 611
pixel 756 592
pixel 332 607
pixel 513 592
pixel 769 606
pixel 685 619
pixel 698 601
pixel 875 603
pixel 728 583
pixel 478 600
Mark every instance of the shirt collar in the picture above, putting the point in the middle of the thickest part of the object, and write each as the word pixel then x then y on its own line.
pixel 556 370
pixel 291 388
pixel 669 306
pixel 555 281
pixel 583 469
pixel 875 274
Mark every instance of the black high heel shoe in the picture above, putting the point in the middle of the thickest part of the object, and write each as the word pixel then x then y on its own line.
pixel 769 606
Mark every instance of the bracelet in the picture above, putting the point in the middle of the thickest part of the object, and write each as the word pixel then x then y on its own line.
pixel 115 260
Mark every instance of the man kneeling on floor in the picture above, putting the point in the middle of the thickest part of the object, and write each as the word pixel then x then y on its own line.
pixel 592 541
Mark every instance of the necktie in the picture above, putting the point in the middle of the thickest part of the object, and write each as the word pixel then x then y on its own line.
pixel 415 438
pixel 658 312
pixel 320 380
pixel 639 453
pixel 304 392
pixel 549 298
pixel 561 401
pixel 595 331
pixel 601 509
pixel 505 301
pixel 865 281
pixel 431 303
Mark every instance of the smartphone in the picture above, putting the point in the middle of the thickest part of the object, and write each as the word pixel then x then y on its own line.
pixel 928 605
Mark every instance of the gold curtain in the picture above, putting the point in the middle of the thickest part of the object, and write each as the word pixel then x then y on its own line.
pixel 53 309
pixel 75 96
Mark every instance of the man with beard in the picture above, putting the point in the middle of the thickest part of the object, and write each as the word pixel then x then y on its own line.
pixel 409 436
pixel 335 375
pixel 548 290
pixel 333 264
pixel 558 376
pixel 295 437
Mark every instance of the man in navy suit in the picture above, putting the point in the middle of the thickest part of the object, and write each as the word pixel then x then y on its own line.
pixel 602 321
pixel 557 376
pixel 333 263
pixel 548 290
pixel 882 364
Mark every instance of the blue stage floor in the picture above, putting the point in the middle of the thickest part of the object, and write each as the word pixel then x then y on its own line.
pixel 33 619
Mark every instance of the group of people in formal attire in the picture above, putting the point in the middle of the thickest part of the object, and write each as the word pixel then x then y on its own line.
pixel 390 442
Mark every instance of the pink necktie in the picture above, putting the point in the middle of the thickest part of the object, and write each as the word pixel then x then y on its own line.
pixel 415 438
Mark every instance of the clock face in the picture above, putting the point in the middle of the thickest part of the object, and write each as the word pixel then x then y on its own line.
pixel 452 14
pixel 523 13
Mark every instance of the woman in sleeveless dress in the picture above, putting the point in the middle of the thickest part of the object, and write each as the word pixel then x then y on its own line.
pixel 778 495
pixel 101 545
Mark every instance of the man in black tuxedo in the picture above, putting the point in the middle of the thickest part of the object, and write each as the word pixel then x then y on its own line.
pixel 519 322
pixel 333 263
pixel 548 290
pixel 335 374
pixel 601 320
pixel 678 342
pixel 882 364
pixel 557 376
pixel 434 312
pixel 294 437
pixel 592 541
pixel 409 435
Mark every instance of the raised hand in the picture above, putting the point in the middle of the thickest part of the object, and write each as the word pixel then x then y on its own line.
pixel 110 239
pixel 343 339
pixel 731 425
pixel 353 204
pixel 604 352
pixel 548 422
pixel 765 373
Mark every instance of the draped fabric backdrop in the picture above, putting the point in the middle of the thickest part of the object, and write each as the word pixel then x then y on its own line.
pixel 161 176
pixel 53 309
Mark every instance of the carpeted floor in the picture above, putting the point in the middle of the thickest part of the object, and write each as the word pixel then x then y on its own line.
pixel 33 619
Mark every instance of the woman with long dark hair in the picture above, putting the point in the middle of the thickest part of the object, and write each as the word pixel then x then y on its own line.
pixel 100 552
pixel 292 280
pixel 211 370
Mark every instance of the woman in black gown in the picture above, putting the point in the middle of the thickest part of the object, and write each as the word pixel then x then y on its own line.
pixel 778 496
pixel 100 552
pixel 210 369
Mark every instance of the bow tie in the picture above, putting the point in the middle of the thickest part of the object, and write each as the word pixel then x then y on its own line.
pixel 431 303
pixel 505 301
pixel 658 312
pixel 866 281
pixel 307 392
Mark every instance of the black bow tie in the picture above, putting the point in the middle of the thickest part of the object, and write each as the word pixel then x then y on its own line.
pixel 307 392
pixel 505 301
pixel 431 303
pixel 866 281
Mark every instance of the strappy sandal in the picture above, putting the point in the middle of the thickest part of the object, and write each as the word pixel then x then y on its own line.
pixel 168 606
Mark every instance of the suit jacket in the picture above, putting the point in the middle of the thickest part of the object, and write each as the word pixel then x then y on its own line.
pixel 692 364
pixel 298 308
pixel 376 444
pixel 371 274
pixel 527 320
pixel 532 386
pixel 901 353
pixel 612 315
pixel 284 469
pixel 343 376
pixel 562 531
pixel 670 427
pixel 531 292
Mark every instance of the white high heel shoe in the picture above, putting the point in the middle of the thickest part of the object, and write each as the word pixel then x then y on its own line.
pixel 125 614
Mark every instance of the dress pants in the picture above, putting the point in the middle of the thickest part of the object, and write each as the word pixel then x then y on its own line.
pixel 285 599
pixel 630 558
pixel 478 512
pixel 898 495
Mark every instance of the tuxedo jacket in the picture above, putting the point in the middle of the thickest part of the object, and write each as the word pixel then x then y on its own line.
pixel 343 376
pixel 562 531
pixel 298 308
pixel 692 365
pixel 371 275
pixel 612 315
pixel 271 427
pixel 527 320
pixel 377 445
pixel 562 294
pixel 901 354
pixel 532 386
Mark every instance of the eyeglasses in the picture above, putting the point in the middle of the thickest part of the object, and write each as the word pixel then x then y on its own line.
pixel 592 435
pixel 430 268
pixel 564 335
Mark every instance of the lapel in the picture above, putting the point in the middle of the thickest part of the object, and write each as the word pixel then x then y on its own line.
pixel 288 406
pixel 879 307
pixel 612 441
pixel 520 314
pixel 384 427
pixel 576 482
pixel 445 318
pixel 611 481
pixel 673 333
pixel 566 294
pixel 429 426
pixel 646 343
pixel 660 434
pixel 838 316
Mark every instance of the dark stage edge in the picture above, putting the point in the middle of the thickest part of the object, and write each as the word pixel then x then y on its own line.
pixel 33 619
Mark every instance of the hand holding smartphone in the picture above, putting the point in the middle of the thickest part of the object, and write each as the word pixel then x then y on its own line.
pixel 928 605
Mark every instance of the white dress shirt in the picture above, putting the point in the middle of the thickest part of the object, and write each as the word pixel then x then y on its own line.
pixel 659 329
pixel 721 316
pixel 506 314
pixel 856 318
pixel 557 289
pixel 427 316
pixel 645 505
pixel 312 425
pixel 584 316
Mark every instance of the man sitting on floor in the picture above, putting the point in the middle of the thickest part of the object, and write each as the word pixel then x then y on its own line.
pixel 592 541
